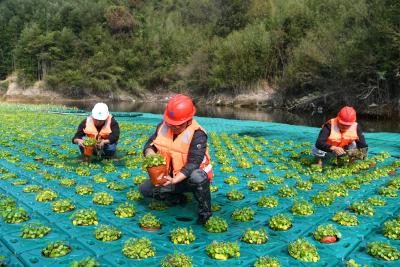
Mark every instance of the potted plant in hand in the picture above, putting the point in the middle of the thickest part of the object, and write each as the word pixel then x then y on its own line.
pixel 88 146
pixel 156 168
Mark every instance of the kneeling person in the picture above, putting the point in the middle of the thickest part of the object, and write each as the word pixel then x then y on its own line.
pixel 101 126
pixel 339 136
pixel 183 143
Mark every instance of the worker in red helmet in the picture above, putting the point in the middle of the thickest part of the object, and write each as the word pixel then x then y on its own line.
pixel 340 135
pixel 183 143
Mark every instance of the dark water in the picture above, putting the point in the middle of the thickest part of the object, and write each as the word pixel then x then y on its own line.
pixel 306 118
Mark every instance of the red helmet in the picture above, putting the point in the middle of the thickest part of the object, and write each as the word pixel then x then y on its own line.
pixel 347 116
pixel 179 110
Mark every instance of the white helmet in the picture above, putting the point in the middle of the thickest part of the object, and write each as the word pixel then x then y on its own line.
pixel 100 112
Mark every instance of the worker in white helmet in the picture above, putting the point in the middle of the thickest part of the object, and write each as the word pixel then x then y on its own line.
pixel 101 126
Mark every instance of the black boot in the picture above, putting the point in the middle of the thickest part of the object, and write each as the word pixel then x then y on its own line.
pixel 202 194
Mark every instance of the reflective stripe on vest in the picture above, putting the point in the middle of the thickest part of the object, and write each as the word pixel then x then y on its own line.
pixel 176 151
pixel 91 131
pixel 342 139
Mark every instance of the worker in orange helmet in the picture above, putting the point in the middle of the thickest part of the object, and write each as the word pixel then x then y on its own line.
pixel 339 136
pixel 183 143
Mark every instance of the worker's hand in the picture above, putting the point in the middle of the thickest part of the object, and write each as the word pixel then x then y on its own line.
pixel 101 144
pixel 170 180
pixel 79 142
pixel 338 150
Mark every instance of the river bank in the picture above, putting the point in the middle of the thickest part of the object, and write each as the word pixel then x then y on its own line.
pixel 263 104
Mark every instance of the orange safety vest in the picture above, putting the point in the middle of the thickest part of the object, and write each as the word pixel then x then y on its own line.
pixel 91 131
pixel 176 151
pixel 342 139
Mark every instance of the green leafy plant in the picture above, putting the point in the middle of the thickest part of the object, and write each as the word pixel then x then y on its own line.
pixel 267 262
pixel 125 175
pixel 149 221
pixel 157 205
pixel 302 207
pixel 243 214
pixel 231 180
pixel 325 231
pixel 362 208
pixel 267 202
pixel 340 190
pixel 223 250
pixel 257 185
pixel 15 215
pixel 182 236
pixel 382 250
pixel 280 222
pixel 153 161
pixel 90 142
pixel 107 233
pixel 213 188
pixel 324 198
pixel 177 260
pixel 63 205
pixel 86 262
pixel 46 195
pixel 19 182
pixel 84 190
pixel 387 191
pixel 109 168
pixel 227 169
pixel 103 198
pixel 67 182
pixel 125 210
pixel 255 236
pixel 98 178
pixel 84 217
pixel 138 248
pixel 215 207
pixel 235 195
pixel 116 186
pixel 345 218
pixel 138 180
pixel 216 224
pixel 275 180
pixel 82 171
pixel 351 183
pixel 377 201
pixel 32 188
pixel 34 230
pixel 287 191
pixel 391 229
pixel 302 250
pixel 318 179
pixel 134 194
pixel 303 185
pixel 56 249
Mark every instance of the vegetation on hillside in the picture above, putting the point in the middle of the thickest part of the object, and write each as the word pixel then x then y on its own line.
pixel 81 47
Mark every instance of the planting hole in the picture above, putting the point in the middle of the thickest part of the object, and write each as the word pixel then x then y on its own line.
pixel 33 260
pixel 120 262
pixel 184 219
pixel 13 240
